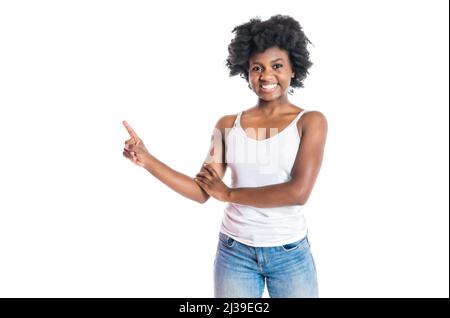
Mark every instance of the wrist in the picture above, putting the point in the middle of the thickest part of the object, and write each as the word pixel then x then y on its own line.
pixel 228 195
pixel 147 162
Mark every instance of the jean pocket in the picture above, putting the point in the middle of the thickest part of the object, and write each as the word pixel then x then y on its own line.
pixel 226 240
pixel 301 244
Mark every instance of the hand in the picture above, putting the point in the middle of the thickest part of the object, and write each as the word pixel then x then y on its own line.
pixel 209 180
pixel 134 148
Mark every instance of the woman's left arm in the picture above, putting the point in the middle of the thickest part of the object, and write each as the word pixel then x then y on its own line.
pixel 297 190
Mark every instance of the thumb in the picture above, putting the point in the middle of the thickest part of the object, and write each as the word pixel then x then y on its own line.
pixel 130 147
pixel 139 148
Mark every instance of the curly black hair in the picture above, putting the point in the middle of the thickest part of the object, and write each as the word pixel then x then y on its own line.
pixel 257 36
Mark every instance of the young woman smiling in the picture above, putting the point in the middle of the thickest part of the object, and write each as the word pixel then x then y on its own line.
pixel 274 151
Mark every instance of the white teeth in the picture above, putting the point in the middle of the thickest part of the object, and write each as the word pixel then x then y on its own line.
pixel 269 86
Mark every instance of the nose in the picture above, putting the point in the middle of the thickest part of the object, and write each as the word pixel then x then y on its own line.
pixel 266 75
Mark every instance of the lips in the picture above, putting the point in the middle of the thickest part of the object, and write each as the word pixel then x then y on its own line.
pixel 268 87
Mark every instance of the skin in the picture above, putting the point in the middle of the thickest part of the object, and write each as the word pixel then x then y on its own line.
pixel 273 110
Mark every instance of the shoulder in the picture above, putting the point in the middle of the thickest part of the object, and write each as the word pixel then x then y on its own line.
pixel 226 121
pixel 314 117
pixel 312 120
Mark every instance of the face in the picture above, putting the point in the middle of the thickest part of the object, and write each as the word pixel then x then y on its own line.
pixel 270 73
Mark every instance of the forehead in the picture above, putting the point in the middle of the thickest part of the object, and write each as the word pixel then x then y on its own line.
pixel 269 55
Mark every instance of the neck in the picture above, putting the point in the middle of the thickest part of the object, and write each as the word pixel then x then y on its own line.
pixel 274 106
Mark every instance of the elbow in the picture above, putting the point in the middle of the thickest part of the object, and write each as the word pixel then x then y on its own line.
pixel 300 197
pixel 202 200
pixel 200 196
pixel 299 193
pixel 300 200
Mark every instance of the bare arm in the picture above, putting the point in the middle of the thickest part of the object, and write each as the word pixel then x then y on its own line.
pixel 175 180
pixel 135 151
pixel 264 197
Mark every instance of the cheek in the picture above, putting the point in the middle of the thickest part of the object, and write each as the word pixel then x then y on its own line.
pixel 287 80
pixel 253 82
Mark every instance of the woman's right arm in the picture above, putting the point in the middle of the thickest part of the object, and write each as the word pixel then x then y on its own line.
pixel 175 180
pixel 135 151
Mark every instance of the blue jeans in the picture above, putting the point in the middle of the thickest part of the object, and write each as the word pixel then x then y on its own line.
pixel 241 270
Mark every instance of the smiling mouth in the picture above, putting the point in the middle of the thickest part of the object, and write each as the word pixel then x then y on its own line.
pixel 268 87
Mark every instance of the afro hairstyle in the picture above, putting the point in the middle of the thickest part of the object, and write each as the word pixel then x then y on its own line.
pixel 257 36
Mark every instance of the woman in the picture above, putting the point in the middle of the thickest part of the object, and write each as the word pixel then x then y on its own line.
pixel 274 151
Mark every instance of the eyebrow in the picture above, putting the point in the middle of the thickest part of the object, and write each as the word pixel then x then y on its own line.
pixel 277 59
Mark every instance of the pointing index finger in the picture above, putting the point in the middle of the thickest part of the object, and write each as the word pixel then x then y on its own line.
pixel 130 131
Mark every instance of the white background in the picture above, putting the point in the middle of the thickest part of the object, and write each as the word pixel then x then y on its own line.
pixel 79 220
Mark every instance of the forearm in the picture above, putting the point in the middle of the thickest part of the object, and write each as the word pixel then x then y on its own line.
pixel 275 195
pixel 175 180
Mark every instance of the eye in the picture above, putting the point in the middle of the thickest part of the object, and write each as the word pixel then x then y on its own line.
pixel 256 69
pixel 278 65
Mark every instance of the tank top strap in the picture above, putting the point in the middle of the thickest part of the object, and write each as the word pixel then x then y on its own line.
pixel 237 121
pixel 299 116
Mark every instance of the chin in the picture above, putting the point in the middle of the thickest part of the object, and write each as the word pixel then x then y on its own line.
pixel 269 98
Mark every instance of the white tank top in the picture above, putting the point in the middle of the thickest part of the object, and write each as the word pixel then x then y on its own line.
pixel 256 163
